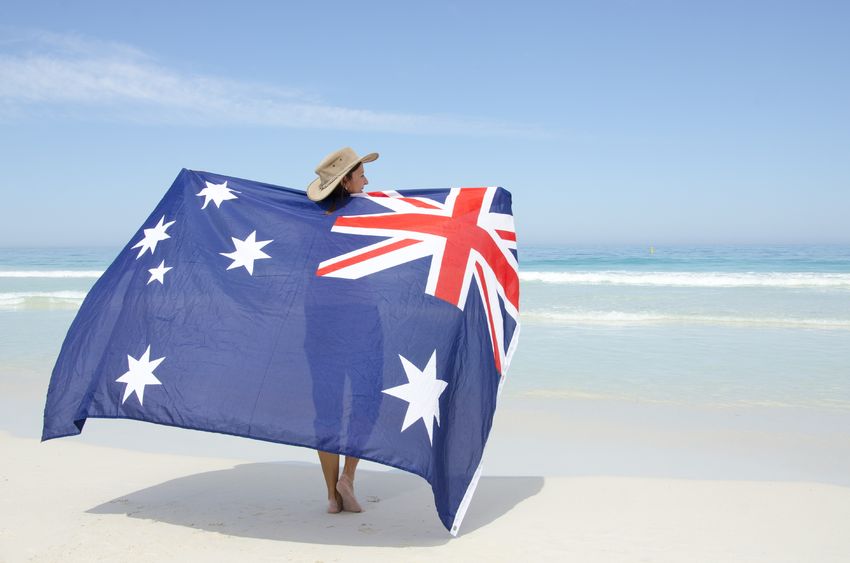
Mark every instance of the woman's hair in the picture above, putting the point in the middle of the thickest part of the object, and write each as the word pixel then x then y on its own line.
pixel 348 176
pixel 339 191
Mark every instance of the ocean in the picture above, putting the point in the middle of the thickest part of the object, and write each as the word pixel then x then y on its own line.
pixel 709 326
pixel 720 326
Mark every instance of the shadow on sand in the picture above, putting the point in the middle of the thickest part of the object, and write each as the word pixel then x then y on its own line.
pixel 285 501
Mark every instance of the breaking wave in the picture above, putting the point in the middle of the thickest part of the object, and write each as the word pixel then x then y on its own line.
pixel 694 279
pixel 51 274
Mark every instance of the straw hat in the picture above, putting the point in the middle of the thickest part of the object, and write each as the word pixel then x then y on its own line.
pixel 332 169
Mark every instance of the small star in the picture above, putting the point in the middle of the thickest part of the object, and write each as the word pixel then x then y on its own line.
pixel 216 193
pixel 139 375
pixel 246 252
pixel 158 273
pixel 422 393
pixel 153 236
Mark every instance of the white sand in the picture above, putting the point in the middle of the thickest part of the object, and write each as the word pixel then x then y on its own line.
pixel 66 500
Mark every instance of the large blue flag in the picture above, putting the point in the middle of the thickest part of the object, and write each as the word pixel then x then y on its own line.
pixel 379 327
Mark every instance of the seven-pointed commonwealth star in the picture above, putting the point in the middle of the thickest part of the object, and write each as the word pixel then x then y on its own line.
pixel 139 375
pixel 246 252
pixel 158 273
pixel 216 193
pixel 153 236
pixel 422 393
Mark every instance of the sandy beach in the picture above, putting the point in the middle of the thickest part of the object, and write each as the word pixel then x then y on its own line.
pixel 78 499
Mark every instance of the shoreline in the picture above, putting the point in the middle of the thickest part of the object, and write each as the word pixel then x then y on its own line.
pixel 552 436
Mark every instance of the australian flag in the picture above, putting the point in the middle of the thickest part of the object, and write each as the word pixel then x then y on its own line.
pixel 379 327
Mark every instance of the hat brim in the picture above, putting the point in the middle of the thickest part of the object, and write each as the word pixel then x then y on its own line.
pixel 317 192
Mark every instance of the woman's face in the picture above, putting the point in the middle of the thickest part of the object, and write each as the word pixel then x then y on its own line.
pixel 358 181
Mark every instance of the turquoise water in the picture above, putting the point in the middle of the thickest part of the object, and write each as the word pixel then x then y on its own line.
pixel 719 326
pixel 716 326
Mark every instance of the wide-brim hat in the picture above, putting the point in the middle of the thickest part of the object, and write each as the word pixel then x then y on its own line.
pixel 332 170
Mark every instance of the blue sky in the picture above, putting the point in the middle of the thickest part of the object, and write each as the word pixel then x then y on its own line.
pixel 611 122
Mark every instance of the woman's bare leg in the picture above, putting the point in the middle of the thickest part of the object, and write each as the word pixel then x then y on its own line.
pixel 330 470
pixel 345 485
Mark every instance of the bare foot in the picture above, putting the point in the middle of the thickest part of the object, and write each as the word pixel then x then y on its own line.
pixel 335 504
pixel 345 487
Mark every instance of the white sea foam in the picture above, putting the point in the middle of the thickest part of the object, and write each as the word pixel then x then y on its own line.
pixel 693 279
pixel 624 318
pixel 41 300
pixel 50 274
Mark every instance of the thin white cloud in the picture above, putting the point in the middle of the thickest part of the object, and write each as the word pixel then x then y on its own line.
pixel 46 70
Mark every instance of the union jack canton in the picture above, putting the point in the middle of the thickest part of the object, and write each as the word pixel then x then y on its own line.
pixel 465 240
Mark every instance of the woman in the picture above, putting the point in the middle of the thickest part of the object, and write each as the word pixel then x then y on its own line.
pixel 341 173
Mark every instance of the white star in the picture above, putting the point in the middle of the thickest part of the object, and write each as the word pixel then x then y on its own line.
pixel 246 252
pixel 158 273
pixel 422 393
pixel 153 236
pixel 139 375
pixel 216 193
